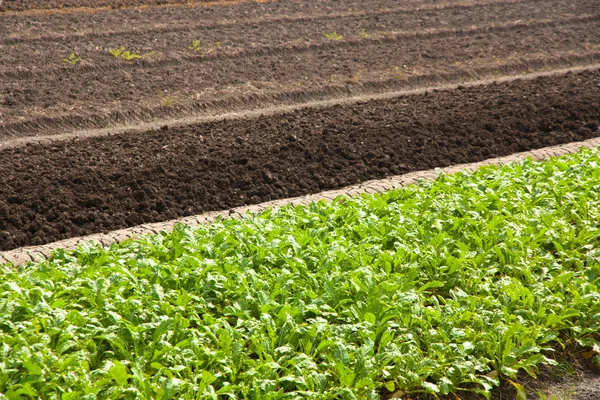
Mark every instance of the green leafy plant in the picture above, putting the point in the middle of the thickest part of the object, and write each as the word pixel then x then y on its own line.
pixel 197 46
pixel 128 55
pixel 333 36
pixel 72 59
pixel 438 288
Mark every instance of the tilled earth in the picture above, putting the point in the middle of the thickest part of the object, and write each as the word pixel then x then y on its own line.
pixel 78 187
pixel 250 54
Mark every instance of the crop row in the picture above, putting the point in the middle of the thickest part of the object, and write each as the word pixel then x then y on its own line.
pixel 442 287
pixel 239 41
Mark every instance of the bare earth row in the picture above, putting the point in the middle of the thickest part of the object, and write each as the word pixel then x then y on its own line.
pixel 74 6
pixel 72 188
pixel 46 33
pixel 69 21
pixel 273 52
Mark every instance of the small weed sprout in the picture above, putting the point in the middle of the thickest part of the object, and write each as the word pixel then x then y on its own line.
pixel 124 54
pixel 167 100
pixel 214 47
pixel 197 46
pixel 333 36
pixel 128 55
pixel 72 59
pixel 397 73
pixel 363 33
pixel 357 76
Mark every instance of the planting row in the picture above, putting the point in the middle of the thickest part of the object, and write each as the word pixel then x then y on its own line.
pixel 174 38
pixel 78 6
pixel 436 290
pixel 120 91
pixel 78 187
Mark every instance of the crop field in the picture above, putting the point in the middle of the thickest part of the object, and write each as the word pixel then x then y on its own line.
pixel 122 113
pixel 74 78
pixel 435 289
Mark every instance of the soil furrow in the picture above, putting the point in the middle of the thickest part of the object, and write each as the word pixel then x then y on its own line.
pixel 74 7
pixel 78 32
pixel 68 126
pixel 23 255
pixel 72 188
pixel 82 95
pixel 12 63
pixel 252 106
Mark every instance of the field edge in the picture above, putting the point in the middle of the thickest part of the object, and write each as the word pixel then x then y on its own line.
pixel 38 253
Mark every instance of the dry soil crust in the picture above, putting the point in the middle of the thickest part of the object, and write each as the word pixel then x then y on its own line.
pixel 73 188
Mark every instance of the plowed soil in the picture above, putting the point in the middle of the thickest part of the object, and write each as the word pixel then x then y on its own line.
pixel 253 54
pixel 72 188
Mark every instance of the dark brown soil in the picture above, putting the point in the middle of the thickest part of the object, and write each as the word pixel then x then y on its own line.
pixel 269 50
pixel 67 189
pixel 21 5
pixel 75 5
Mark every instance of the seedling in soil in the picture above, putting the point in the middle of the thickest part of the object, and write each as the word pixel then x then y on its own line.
pixel 72 59
pixel 214 47
pixel 397 73
pixel 363 33
pixel 197 46
pixel 356 77
pixel 124 54
pixel 333 36
pixel 128 55
pixel 167 100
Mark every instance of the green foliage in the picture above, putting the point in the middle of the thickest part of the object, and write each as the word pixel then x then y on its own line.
pixel 437 288
pixel 128 55
pixel 197 46
pixel 72 59
pixel 333 36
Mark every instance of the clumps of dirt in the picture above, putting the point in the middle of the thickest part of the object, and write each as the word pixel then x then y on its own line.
pixel 78 187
